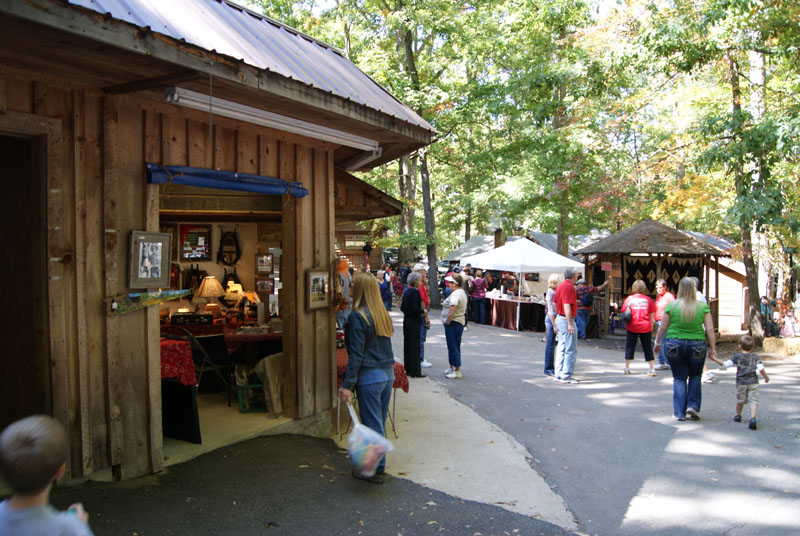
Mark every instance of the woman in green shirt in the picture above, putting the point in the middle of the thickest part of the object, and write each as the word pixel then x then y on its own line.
pixel 684 328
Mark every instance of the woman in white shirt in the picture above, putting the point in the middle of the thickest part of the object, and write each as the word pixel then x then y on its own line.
pixel 454 310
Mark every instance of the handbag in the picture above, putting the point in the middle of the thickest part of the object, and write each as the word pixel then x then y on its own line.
pixel 626 317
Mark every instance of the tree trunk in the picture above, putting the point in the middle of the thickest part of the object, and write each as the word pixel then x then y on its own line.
pixel 408 189
pixel 751 270
pixel 430 230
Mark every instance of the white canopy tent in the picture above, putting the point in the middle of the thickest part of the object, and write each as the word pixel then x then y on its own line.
pixel 522 257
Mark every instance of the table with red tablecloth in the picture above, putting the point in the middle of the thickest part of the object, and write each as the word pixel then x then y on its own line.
pixel 504 314
pixel 400 377
pixel 176 361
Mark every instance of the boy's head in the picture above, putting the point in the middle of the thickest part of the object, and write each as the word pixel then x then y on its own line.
pixel 746 343
pixel 32 452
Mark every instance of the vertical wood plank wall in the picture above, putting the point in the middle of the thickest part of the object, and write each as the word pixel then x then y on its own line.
pixel 106 370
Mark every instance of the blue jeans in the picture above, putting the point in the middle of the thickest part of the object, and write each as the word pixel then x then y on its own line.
pixel 686 359
pixel 373 405
pixel 478 310
pixel 662 358
pixel 423 335
pixel 550 346
pixel 581 321
pixel 452 333
pixel 566 351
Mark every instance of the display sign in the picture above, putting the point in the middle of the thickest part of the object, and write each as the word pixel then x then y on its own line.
pixel 605 266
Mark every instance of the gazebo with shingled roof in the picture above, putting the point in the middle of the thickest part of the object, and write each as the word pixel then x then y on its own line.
pixel 650 251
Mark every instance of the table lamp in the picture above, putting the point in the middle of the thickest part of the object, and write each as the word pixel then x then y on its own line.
pixel 233 293
pixel 209 289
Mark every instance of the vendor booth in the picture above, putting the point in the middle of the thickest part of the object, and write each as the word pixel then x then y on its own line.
pixel 148 158
pixel 521 257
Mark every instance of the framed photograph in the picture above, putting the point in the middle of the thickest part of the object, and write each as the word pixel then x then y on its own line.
pixel 264 286
pixel 195 242
pixel 172 229
pixel 318 289
pixel 149 260
pixel 263 263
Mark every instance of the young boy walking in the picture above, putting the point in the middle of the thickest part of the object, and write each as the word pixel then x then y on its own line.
pixel 33 455
pixel 747 368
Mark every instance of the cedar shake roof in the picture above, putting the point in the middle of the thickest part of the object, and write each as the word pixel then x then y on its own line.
pixel 651 236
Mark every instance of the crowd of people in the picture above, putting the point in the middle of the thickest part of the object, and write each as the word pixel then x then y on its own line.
pixel 778 318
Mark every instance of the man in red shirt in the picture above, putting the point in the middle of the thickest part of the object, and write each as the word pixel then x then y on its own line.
pixel 567 310
pixel 663 297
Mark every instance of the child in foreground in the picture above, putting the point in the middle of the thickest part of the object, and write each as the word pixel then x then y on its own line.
pixel 33 455
pixel 748 366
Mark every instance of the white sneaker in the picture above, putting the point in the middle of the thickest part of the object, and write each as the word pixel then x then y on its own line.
pixel 708 377
pixel 448 370
pixel 453 375
pixel 425 363
pixel 663 367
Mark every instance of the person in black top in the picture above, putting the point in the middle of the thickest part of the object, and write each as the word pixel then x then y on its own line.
pixel 413 316
pixel 402 274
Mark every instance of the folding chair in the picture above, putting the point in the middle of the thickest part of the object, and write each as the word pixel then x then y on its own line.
pixel 210 353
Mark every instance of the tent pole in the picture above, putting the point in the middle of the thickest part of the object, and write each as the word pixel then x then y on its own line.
pixel 519 298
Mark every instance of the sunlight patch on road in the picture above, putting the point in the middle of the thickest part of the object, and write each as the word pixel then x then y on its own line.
pixel 700 447
pixel 710 510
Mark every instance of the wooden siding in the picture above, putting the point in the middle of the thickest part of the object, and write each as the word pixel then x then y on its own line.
pixel 106 370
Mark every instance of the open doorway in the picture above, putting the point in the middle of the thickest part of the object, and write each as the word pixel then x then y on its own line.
pixel 25 377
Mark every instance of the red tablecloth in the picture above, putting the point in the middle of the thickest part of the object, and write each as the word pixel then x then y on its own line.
pixel 504 314
pixel 198 330
pixel 234 338
pixel 400 378
pixel 176 361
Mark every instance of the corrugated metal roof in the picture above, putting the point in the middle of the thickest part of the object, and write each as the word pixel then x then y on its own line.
pixel 230 29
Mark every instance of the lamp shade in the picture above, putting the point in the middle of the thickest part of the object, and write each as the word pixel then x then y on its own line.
pixel 210 288
pixel 233 292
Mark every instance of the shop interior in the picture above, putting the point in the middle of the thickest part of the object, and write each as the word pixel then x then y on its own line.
pixel 227 324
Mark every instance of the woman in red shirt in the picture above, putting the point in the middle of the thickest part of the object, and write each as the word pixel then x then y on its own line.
pixel 640 326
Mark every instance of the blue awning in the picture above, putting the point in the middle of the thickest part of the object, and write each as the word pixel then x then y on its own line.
pixel 222 180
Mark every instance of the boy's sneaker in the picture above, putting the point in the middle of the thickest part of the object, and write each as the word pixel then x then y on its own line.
pixel 453 375
pixel 737 418
pixel 448 370
pixel 425 364
pixel 692 413
pixel 753 424
pixel 626 371
pixel 707 377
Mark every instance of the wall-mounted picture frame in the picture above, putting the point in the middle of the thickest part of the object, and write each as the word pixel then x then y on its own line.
pixel 172 229
pixel 318 289
pixel 263 263
pixel 195 242
pixel 148 265
pixel 264 285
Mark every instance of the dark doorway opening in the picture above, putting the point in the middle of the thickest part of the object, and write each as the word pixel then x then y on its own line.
pixel 24 357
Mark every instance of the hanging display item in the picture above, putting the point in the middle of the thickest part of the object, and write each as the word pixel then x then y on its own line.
pixel 195 242
pixel 229 252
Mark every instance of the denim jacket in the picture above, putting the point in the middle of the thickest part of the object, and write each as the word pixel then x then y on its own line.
pixel 364 347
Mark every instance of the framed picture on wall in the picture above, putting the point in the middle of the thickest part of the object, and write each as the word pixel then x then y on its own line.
pixel 318 289
pixel 264 286
pixel 263 263
pixel 195 242
pixel 149 260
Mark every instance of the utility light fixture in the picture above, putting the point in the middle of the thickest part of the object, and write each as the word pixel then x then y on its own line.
pixel 256 116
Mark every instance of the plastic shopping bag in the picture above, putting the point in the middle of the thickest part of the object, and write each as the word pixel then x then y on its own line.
pixel 365 446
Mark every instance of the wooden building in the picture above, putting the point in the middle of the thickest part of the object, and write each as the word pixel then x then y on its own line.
pixel 82 113
pixel 650 251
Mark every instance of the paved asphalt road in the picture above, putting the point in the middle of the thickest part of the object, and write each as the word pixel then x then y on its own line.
pixel 609 447
pixel 612 450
